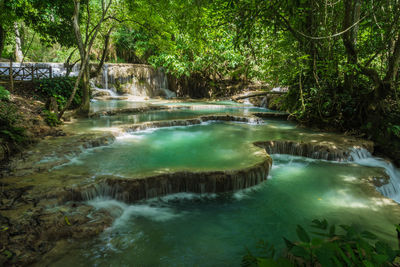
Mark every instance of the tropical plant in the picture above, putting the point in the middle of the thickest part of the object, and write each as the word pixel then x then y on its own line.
pixel 4 94
pixel 60 88
pixel 51 118
pixel 10 131
pixel 327 247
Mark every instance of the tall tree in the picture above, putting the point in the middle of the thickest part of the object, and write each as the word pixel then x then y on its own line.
pixel 84 41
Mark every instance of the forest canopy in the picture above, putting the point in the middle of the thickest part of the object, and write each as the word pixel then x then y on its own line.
pixel 340 59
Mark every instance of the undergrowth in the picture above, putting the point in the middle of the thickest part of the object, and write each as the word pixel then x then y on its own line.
pixel 328 245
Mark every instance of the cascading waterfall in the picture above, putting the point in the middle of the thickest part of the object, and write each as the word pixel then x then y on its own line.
pixel 105 76
pixel 132 190
pixel 357 155
pixel 391 189
pixel 135 80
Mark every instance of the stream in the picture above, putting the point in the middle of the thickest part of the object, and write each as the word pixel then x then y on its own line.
pixel 210 229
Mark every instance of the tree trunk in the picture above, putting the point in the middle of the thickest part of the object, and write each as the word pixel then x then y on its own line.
pixel 85 105
pixel 351 15
pixel 2 39
pixel 84 52
pixel 394 64
pixel 18 47
pixel 95 73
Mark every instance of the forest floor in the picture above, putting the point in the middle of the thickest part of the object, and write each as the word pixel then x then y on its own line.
pixel 28 115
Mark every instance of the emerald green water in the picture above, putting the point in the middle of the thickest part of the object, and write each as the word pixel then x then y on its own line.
pixel 214 230
pixel 192 109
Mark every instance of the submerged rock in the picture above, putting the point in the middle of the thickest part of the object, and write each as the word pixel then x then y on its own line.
pixel 54 151
pixel 270 115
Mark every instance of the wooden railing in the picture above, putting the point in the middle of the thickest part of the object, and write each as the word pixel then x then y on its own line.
pixel 24 73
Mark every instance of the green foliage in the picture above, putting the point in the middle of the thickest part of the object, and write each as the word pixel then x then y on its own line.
pixel 51 118
pixel 327 247
pixel 60 88
pixel 10 131
pixel 4 94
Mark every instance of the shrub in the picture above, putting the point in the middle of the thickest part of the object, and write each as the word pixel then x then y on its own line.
pixel 4 94
pixel 350 248
pixel 10 132
pixel 51 118
pixel 60 88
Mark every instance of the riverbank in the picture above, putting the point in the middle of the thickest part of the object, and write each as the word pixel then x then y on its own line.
pixel 26 122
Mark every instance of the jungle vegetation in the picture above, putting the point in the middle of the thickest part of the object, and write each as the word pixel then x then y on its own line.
pixel 340 59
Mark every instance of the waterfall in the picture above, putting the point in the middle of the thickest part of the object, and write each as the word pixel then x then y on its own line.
pixel 131 190
pixel 137 80
pixel 105 76
pixel 391 189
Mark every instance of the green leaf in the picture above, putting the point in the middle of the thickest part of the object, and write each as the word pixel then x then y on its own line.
pixel 281 262
pixel 343 255
pixel 317 241
pixel 368 263
pixel 332 230
pixel 380 259
pixel 301 252
pixel 325 256
pixel 302 234
pixel 66 220
pixel 289 244
pixel 368 235
pixel 320 224
pixel 8 254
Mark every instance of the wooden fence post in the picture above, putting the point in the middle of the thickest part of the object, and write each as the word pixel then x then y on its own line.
pixel 33 73
pixel 51 72
pixel 11 76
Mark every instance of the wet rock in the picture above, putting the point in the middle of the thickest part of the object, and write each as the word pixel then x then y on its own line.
pixel 100 93
pixel 270 115
pixel 54 151
pixel 36 232
pixel 379 181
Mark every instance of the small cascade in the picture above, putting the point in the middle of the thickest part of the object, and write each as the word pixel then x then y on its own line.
pixel 357 155
pixel 134 189
pixel 105 76
pixel 264 102
pixel 391 189
pixel 309 150
pixel 99 92
pixel 247 102
pixel 189 122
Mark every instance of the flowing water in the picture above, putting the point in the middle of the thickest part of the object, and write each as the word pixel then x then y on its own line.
pixel 214 229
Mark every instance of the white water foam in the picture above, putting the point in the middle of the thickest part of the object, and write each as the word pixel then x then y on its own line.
pixel 124 212
pixel 390 190
pixel 361 157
